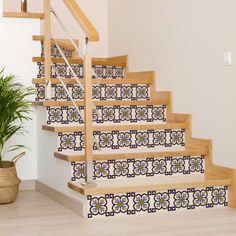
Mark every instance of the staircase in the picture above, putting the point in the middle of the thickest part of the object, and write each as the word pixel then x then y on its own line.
pixel 147 160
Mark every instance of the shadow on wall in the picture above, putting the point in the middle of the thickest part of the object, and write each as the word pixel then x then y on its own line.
pixel 184 42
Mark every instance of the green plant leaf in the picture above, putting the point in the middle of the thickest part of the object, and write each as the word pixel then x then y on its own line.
pixel 15 109
pixel 15 148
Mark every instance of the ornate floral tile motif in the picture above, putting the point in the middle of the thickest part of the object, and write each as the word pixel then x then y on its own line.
pixel 126 140
pixel 156 201
pixel 55 52
pixel 40 92
pixel 101 72
pixel 102 92
pixel 108 114
pixel 141 168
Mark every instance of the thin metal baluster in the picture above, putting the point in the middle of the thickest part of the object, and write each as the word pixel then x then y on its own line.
pixel 76 107
pixel 67 32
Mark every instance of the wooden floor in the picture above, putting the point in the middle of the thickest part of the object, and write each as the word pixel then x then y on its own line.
pixel 34 214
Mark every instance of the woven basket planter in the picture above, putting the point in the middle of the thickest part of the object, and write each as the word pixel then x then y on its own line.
pixel 9 182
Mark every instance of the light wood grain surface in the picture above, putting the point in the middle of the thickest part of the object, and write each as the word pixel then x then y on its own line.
pixel 117 127
pixel 94 81
pixel 64 43
pixel 86 25
pixel 36 215
pixel 23 15
pixel 71 156
pixel 96 61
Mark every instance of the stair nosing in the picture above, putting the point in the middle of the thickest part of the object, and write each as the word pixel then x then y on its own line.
pixel 148 187
pixel 95 81
pixel 122 156
pixel 106 103
pixel 65 45
pixel 124 127
pixel 32 15
pixel 95 61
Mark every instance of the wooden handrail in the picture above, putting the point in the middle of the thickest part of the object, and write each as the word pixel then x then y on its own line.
pixel 88 28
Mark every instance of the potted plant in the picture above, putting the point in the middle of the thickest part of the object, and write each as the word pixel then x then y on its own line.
pixel 15 109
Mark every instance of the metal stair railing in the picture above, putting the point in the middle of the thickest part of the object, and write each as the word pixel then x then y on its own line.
pixel 89 108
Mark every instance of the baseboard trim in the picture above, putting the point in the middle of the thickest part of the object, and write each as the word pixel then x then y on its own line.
pixel 27 185
pixel 69 202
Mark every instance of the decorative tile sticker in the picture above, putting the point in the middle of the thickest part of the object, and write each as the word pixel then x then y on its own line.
pixel 101 72
pixel 110 205
pixel 102 92
pixel 132 139
pixel 55 52
pixel 134 168
pixel 108 114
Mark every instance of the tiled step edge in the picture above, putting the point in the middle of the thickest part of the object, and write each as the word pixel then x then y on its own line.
pixel 184 166
pixel 109 114
pixel 131 203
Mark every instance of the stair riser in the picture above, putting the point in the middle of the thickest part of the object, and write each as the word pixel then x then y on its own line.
pixel 55 53
pixel 126 140
pixel 111 205
pixel 141 168
pixel 109 115
pixel 100 72
pixel 102 92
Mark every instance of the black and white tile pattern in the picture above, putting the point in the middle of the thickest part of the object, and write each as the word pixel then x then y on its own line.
pixel 135 168
pixel 110 205
pixel 55 52
pixel 126 140
pixel 109 114
pixel 102 92
pixel 100 72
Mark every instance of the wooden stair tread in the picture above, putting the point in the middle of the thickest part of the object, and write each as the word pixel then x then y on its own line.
pixel 95 61
pixel 24 15
pixel 148 184
pixel 64 43
pixel 95 81
pixel 117 127
pixel 37 103
pixel 73 157
pixel 106 103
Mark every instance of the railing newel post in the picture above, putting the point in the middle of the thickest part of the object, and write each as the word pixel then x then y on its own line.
pixel 47 48
pixel 88 114
pixel 91 35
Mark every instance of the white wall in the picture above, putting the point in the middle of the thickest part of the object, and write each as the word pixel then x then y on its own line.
pixel 184 41
pixel 16 52
pixel 95 10
pixel 52 172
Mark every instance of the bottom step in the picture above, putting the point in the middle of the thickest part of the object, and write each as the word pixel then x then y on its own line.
pixel 116 198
